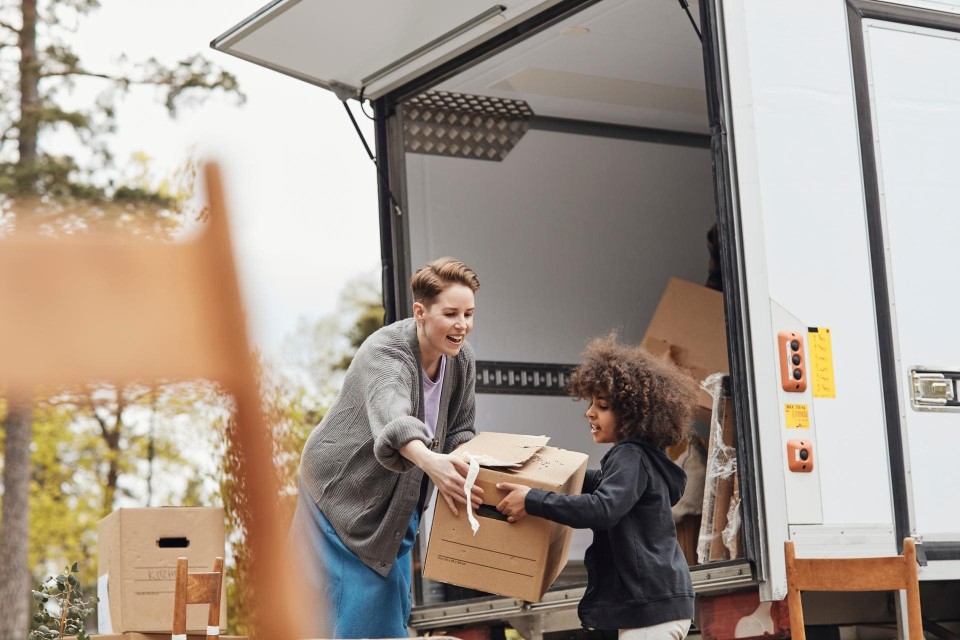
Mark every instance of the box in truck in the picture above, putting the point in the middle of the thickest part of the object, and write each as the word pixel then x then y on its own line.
pixel 576 152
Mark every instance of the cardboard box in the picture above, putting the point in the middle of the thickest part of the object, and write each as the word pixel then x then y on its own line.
pixel 689 327
pixel 138 551
pixel 517 560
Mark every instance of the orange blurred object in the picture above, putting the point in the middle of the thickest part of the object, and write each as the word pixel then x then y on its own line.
pixel 164 311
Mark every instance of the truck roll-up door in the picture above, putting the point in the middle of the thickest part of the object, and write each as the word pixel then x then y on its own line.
pixel 365 49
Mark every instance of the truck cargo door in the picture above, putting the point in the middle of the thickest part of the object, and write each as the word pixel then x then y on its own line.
pixel 365 49
pixel 909 109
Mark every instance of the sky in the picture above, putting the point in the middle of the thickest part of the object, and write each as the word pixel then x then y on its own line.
pixel 302 193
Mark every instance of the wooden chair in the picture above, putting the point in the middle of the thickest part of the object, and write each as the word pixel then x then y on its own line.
pixel 81 308
pixel 893 573
pixel 197 588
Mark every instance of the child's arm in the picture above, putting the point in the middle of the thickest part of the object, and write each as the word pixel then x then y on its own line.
pixel 624 481
pixel 591 480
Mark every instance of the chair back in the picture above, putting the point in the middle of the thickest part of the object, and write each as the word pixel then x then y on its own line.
pixel 197 588
pixel 894 573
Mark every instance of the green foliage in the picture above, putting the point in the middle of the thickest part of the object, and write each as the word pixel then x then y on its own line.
pixel 38 58
pixel 294 399
pixel 61 607
pixel 65 492
pixel 321 350
pixel 290 414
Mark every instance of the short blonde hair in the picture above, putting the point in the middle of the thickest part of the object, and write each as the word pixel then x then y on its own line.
pixel 436 276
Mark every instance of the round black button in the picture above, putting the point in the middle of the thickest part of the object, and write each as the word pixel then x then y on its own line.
pixel 804 454
pixel 795 359
pixel 797 374
pixel 795 345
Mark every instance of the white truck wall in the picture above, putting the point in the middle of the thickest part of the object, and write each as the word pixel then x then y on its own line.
pixel 806 245
pixel 571 236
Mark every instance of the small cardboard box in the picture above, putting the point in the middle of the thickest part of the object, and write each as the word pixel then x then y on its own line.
pixel 517 560
pixel 690 328
pixel 138 551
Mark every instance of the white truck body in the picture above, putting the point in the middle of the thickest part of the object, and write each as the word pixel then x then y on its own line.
pixel 823 136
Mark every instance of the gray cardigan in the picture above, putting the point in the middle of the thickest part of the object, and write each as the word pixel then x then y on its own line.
pixel 351 464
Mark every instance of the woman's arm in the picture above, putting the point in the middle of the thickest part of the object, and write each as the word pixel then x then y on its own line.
pixel 400 438
pixel 447 473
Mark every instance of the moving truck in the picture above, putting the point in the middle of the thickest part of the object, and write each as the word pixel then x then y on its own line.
pixel 576 153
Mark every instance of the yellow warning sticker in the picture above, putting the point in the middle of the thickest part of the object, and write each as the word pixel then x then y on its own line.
pixel 798 416
pixel 821 362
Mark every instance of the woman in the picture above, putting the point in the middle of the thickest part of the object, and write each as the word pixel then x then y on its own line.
pixel 407 401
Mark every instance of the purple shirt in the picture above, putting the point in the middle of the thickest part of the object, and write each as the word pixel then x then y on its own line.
pixel 431 398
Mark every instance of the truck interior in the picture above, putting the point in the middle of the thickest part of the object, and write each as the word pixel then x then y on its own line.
pixel 573 171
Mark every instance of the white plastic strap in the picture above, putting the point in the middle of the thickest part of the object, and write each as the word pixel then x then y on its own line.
pixel 178 636
pixel 213 631
pixel 468 490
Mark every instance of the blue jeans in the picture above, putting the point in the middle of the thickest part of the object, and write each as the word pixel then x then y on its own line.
pixel 356 601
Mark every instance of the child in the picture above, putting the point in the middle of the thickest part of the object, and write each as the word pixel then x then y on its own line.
pixel 637 578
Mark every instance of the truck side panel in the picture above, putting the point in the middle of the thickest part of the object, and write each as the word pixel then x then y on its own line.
pixel 803 221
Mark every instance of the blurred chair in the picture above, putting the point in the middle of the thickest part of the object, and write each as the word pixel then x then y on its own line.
pixel 197 588
pixel 892 573
pixel 99 307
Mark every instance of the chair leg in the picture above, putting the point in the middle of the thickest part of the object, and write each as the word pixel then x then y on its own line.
pixel 180 600
pixel 213 617
pixel 794 602
pixel 914 621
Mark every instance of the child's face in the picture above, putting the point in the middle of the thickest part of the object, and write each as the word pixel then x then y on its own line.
pixel 603 423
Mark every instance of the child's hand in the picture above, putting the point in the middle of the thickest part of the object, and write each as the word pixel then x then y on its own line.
pixel 513 506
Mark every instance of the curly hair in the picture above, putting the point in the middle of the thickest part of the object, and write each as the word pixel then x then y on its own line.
pixel 652 399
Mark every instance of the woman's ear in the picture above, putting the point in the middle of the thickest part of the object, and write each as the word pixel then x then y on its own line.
pixel 418 311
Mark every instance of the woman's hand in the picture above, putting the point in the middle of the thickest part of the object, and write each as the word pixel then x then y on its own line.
pixel 514 505
pixel 447 473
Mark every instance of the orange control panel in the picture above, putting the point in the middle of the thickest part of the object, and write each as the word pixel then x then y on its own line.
pixel 793 367
pixel 800 455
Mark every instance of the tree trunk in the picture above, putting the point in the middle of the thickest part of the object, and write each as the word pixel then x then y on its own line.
pixel 14 535
pixel 29 90
pixel 18 426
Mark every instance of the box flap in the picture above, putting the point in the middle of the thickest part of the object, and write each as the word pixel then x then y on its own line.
pixel 503 449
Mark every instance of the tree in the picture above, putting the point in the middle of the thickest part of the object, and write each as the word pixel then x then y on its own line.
pixel 295 395
pixel 319 351
pixel 63 195
pixel 290 414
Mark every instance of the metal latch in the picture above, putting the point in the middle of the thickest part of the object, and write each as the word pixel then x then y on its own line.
pixel 934 390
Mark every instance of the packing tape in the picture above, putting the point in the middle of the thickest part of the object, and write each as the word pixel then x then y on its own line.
pixel 178 636
pixel 468 490
pixel 213 631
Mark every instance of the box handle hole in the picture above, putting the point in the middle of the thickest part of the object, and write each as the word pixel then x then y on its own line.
pixel 489 511
pixel 173 543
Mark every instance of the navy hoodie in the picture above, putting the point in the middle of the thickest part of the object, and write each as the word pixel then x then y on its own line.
pixel 636 573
